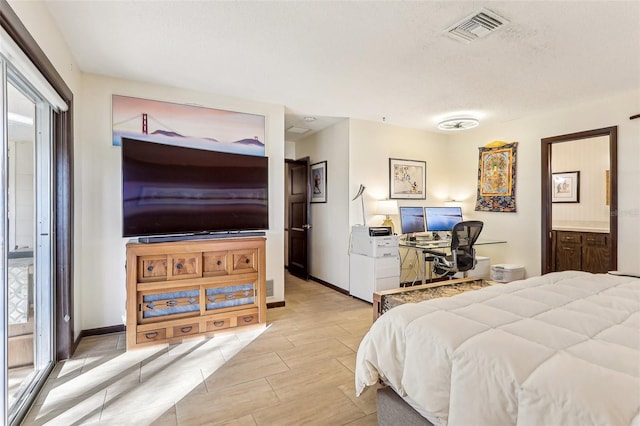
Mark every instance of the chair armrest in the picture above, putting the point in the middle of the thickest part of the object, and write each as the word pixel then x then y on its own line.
pixel 434 252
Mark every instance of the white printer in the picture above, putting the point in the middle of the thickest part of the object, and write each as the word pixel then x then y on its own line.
pixel 374 241
pixel 374 263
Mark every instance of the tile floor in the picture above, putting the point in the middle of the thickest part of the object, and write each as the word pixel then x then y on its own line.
pixel 299 370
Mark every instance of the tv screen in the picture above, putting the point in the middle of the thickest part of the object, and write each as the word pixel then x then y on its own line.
pixel 442 218
pixel 169 190
pixel 411 220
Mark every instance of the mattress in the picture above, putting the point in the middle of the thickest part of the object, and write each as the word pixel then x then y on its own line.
pixel 563 348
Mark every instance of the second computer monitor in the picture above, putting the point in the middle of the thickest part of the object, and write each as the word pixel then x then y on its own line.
pixel 442 218
pixel 411 220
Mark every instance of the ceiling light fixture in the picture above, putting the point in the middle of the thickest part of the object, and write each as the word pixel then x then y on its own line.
pixel 459 123
pixel 309 119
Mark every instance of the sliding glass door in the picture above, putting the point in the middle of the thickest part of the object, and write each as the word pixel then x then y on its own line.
pixel 26 264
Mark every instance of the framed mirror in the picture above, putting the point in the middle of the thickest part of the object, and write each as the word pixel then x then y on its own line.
pixel 581 234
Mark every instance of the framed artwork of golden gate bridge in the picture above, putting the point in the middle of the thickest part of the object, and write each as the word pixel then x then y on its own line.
pixel 187 125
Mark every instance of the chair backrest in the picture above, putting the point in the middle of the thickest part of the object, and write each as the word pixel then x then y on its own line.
pixel 464 236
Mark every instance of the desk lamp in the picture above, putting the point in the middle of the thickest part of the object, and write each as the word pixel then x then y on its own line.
pixel 387 207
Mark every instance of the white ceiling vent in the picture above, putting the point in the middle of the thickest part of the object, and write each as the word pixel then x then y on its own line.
pixel 476 26
pixel 298 130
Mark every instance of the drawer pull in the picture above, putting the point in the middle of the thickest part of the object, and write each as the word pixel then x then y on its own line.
pixel 218 323
pixel 179 266
pixel 186 329
pixel 151 335
pixel 219 262
pixel 248 318
pixel 150 268
pixel 567 248
pixel 247 261
pixel 171 303
pixel 230 296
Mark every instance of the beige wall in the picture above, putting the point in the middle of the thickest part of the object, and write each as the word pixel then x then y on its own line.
pixel 361 157
pixel 522 229
pixel 101 261
pixel 329 235
pixel 452 161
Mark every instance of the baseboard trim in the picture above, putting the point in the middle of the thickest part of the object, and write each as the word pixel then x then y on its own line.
pixel 271 305
pixel 102 330
pixel 331 286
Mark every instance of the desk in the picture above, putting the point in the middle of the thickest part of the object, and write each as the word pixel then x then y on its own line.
pixel 418 250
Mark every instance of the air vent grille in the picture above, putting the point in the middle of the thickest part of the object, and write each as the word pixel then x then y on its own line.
pixel 476 26
pixel 269 288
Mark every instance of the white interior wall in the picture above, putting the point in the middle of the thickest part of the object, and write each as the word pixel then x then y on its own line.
pixel 102 273
pixel 371 146
pixel 329 235
pixel 522 229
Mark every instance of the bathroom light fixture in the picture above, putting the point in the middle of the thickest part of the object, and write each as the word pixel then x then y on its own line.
pixel 458 123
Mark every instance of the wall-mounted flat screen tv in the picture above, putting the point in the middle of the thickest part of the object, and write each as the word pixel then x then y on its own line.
pixel 173 190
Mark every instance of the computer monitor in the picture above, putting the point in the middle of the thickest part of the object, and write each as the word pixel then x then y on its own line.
pixel 442 218
pixel 411 220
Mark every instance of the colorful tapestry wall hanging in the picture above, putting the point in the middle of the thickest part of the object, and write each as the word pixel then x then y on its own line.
pixel 497 179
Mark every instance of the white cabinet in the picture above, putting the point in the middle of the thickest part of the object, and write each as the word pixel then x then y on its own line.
pixel 370 274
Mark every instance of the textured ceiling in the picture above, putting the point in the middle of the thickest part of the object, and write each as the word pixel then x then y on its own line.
pixel 364 59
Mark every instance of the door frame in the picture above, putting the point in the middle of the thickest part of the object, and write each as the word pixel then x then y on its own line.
pixel 546 178
pixel 62 219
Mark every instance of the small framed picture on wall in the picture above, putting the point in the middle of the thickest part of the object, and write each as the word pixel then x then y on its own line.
pixel 566 187
pixel 407 179
pixel 319 182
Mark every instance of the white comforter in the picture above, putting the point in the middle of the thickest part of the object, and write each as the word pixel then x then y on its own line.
pixel 559 349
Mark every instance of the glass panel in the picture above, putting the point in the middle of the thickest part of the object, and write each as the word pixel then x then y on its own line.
pixel 20 250
pixel 28 251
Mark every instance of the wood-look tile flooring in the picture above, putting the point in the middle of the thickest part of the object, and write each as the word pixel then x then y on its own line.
pixel 298 370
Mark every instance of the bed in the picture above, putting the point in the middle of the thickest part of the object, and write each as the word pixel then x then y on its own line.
pixel 559 349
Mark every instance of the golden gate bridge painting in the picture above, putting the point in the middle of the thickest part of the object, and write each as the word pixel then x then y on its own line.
pixel 187 125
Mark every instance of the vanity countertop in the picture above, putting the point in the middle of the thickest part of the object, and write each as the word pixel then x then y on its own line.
pixel 581 226
pixel 580 229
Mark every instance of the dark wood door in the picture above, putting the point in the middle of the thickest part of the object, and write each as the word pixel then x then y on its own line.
pixel 298 213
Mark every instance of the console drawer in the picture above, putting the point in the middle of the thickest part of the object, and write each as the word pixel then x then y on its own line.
pixel 185 330
pixel 214 263
pixel 152 268
pixel 244 261
pixel 247 319
pixel 218 324
pixel 151 335
pixel 184 265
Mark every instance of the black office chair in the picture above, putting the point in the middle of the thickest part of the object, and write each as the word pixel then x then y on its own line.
pixel 463 256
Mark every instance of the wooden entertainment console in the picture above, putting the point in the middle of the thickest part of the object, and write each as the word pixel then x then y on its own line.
pixel 186 288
